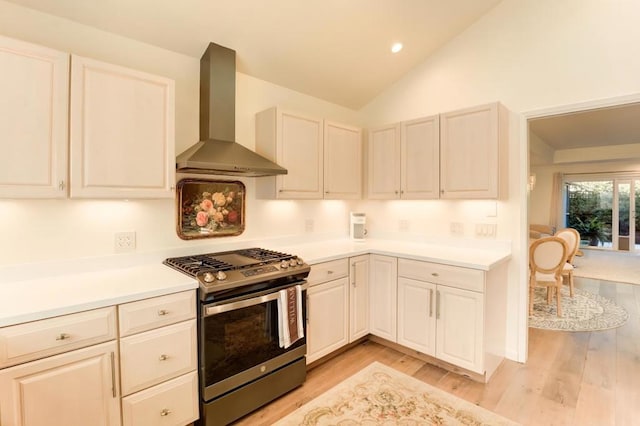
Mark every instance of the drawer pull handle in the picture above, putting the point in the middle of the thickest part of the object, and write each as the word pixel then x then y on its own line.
pixel 329 272
pixel 435 274
pixel 63 336
pixel 163 312
pixel 163 357
pixel 165 412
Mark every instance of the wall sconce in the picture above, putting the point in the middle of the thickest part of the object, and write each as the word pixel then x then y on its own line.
pixel 532 182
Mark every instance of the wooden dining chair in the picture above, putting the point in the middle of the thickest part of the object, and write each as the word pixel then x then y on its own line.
pixel 547 257
pixel 572 239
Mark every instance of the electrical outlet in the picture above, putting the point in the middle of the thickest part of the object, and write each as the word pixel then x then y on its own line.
pixel 456 228
pixel 308 225
pixel 125 242
pixel 403 225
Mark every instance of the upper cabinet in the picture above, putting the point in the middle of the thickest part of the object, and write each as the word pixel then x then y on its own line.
pixel 294 142
pixel 116 125
pixel 473 152
pixel 342 161
pixel 460 154
pixel 323 159
pixel 122 132
pixel 404 160
pixel 34 85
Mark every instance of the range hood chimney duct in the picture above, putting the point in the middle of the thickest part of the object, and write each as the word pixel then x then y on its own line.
pixel 217 153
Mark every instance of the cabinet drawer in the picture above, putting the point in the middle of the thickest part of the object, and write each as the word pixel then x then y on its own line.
pixel 37 339
pixel 152 357
pixel 328 271
pixel 148 314
pixel 173 403
pixel 454 276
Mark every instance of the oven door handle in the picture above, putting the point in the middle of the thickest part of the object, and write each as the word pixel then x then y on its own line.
pixel 214 310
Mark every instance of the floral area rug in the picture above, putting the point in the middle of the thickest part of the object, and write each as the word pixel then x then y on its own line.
pixel 583 312
pixel 380 395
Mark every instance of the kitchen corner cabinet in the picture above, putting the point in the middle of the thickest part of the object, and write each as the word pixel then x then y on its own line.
pixel 473 152
pixel 358 297
pixel 404 160
pixel 295 142
pixel 342 161
pixel 383 285
pixel 327 308
pixel 34 124
pixel 121 132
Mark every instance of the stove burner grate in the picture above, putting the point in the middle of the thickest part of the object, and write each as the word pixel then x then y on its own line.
pixel 193 264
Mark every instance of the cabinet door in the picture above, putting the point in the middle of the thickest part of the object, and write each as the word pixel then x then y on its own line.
pixel 420 154
pixel 78 388
pixel 469 153
pixel 416 315
pixel 327 318
pixel 383 284
pixel 460 328
pixel 359 298
pixel 34 120
pixel 384 163
pixel 122 132
pixel 342 162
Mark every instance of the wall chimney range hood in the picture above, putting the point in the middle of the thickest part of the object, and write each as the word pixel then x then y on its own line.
pixel 217 153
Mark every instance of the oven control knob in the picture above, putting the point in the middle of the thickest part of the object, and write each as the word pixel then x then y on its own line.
pixel 208 277
pixel 293 263
pixel 300 261
pixel 221 276
pixel 284 264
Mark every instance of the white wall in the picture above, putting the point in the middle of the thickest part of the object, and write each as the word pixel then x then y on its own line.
pixel 529 55
pixel 39 230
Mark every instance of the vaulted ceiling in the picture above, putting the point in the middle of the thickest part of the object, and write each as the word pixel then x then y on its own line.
pixel 336 50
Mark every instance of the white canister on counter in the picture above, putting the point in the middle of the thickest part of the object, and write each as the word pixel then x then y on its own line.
pixel 357 229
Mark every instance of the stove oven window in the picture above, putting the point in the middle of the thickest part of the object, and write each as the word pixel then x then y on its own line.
pixel 238 340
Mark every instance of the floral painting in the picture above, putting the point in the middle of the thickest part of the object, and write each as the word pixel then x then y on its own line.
pixel 210 208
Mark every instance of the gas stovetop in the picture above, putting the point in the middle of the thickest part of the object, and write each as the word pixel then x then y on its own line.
pixel 220 272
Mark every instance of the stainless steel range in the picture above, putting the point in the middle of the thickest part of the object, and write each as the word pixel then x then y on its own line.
pixel 243 362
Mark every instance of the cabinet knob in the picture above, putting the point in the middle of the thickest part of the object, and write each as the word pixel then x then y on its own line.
pixel 165 412
pixel 329 272
pixel 163 357
pixel 163 312
pixel 63 336
pixel 435 274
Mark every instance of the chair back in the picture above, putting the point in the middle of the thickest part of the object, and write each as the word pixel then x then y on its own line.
pixel 547 256
pixel 572 239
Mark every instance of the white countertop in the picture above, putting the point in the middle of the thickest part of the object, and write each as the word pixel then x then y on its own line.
pixel 63 292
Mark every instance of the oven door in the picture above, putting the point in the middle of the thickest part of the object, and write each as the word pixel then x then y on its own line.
pixel 239 341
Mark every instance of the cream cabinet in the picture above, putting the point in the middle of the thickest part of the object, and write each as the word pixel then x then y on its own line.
pixel 158 360
pixel 295 142
pixel 457 315
pixel 342 161
pixel 72 371
pixel 473 152
pixel 358 297
pixel 327 308
pixel 61 371
pixel 121 133
pixel 34 125
pixel 417 315
pixel 383 286
pixel 404 160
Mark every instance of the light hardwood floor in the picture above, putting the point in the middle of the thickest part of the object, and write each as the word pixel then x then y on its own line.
pixel 586 378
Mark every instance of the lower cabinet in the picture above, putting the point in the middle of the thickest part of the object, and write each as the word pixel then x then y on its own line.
pixel 417 315
pixel 327 318
pixel 68 370
pixel 77 388
pixel 383 287
pixel 359 297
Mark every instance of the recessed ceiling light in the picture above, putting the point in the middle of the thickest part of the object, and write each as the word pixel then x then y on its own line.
pixel 396 47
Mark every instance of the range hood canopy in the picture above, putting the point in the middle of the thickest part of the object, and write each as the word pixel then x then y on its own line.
pixel 217 152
